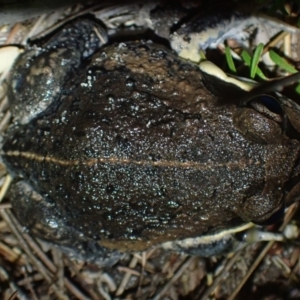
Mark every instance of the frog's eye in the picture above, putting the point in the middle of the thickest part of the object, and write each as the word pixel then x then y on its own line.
pixel 268 101
pixel 261 121
pixel 292 115
pixel 267 106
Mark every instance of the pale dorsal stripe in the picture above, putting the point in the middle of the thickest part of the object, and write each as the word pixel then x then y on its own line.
pixel 128 161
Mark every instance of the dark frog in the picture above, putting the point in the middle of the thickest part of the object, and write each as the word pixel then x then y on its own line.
pixel 128 149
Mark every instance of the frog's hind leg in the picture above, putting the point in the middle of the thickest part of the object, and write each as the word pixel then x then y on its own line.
pixel 45 221
pixel 39 74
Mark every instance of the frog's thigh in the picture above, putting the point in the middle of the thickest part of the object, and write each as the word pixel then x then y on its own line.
pixel 40 75
pixel 45 221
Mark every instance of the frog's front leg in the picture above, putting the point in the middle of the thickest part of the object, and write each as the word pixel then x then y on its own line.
pixel 45 220
pixel 40 73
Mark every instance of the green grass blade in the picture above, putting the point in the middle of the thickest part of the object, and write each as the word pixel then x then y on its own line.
pixel 255 59
pixel 297 89
pixel 281 62
pixel 247 59
pixel 229 60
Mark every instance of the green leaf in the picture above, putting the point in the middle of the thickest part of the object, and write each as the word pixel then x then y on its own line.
pixel 255 59
pixel 247 59
pixel 229 60
pixel 282 62
pixel 297 89
pixel 202 55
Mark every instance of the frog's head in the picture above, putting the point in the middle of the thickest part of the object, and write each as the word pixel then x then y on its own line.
pixel 266 117
pixel 274 120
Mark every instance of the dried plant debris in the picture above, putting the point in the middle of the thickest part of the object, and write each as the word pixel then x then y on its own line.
pixel 33 269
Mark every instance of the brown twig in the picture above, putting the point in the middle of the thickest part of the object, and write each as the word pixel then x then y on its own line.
pixel 290 213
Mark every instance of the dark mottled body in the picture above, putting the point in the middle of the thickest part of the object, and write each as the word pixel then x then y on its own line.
pixel 141 153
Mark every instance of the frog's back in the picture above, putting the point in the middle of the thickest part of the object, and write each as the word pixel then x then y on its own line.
pixel 143 149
